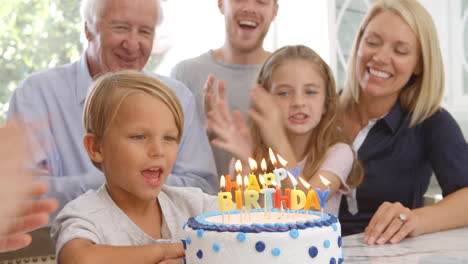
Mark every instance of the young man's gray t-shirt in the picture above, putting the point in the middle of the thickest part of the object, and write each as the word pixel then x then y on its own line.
pixel 238 79
pixel 94 216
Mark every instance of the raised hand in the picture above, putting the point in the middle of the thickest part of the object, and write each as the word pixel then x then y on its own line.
pixel 19 214
pixel 211 101
pixel 267 117
pixel 231 131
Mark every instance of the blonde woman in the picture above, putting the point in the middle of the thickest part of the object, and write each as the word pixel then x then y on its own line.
pixel 391 109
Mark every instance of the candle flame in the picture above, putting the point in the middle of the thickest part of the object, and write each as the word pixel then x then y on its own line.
pixel 263 165
pixel 246 180
pixel 253 164
pixel 305 183
pixel 238 166
pixel 222 182
pixel 324 180
pixel 274 183
pixel 239 180
pixel 293 180
pixel 272 156
pixel 262 180
pixel 282 161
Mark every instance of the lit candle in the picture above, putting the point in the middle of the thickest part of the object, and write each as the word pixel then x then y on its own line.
pixel 268 177
pixel 267 192
pixel 230 183
pixel 250 197
pixel 323 195
pixel 298 197
pixel 279 198
pixel 263 165
pixel 311 199
pixel 280 173
pixel 295 173
pixel 224 198
pixel 253 182
pixel 239 203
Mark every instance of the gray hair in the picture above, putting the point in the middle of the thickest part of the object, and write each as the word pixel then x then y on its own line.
pixel 90 11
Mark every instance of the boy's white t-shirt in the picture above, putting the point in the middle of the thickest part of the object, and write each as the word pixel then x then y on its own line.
pixel 94 216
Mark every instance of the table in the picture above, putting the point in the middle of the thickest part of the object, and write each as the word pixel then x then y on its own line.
pixel 448 247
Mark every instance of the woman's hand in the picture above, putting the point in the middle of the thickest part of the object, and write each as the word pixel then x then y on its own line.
pixel 391 223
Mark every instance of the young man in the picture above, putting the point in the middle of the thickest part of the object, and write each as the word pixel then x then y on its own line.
pixel 236 62
pixel 120 36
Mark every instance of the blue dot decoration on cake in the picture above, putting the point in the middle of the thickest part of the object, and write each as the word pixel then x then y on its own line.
pixel 200 254
pixel 241 237
pixel 216 247
pixel 294 233
pixel 210 241
pixel 335 228
pixel 276 252
pixel 200 233
pixel 313 252
pixel 260 246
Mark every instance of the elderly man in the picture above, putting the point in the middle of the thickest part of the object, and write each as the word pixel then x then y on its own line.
pixel 120 36
pixel 237 62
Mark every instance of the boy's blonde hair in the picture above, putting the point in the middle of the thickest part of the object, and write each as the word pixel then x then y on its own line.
pixel 109 91
pixel 326 133
pixel 424 92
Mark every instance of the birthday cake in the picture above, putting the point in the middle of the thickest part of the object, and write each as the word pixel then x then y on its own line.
pixel 263 237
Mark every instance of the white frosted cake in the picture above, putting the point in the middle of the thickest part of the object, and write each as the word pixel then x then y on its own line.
pixel 275 238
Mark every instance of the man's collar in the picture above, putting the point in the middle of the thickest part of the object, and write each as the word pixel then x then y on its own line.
pixel 83 80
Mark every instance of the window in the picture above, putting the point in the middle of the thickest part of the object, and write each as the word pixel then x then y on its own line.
pixel 36 34
pixel 349 15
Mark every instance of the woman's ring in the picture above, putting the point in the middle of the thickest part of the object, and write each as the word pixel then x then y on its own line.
pixel 403 217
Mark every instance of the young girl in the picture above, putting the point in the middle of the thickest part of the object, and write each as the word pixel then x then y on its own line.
pixel 134 123
pixel 294 108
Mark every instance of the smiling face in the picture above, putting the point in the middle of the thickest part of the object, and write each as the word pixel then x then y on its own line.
pixel 139 148
pixel 123 36
pixel 247 21
pixel 299 91
pixel 387 57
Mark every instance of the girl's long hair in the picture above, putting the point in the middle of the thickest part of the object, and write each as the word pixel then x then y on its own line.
pixel 327 132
